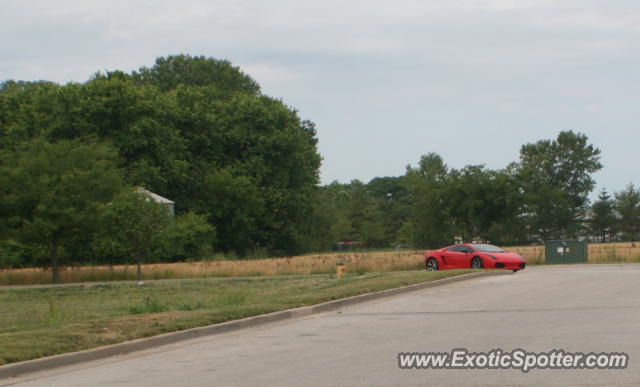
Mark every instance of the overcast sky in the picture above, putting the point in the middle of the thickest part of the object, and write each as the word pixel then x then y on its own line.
pixel 385 81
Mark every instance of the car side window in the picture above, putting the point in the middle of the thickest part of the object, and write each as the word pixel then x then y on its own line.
pixel 460 249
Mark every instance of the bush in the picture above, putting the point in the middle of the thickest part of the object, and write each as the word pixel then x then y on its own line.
pixel 107 250
pixel 11 255
pixel 188 236
pixel 15 255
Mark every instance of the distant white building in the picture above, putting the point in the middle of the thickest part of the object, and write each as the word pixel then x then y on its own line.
pixel 158 199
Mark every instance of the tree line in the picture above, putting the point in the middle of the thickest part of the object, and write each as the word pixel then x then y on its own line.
pixel 542 196
pixel 242 168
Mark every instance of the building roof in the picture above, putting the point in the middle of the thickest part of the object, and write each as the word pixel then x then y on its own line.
pixel 154 196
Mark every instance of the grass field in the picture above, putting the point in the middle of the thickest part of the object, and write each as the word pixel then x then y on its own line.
pixel 42 321
pixel 357 262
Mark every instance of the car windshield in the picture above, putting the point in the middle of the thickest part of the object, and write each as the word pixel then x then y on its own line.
pixel 488 248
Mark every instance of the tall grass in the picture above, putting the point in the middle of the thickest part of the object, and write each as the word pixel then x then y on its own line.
pixel 359 262
pixel 356 262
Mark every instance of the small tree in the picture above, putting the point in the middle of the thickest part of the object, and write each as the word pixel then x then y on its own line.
pixel 136 221
pixel 51 192
pixel 603 218
pixel 627 204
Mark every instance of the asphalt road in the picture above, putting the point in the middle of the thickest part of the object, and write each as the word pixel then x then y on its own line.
pixel 582 308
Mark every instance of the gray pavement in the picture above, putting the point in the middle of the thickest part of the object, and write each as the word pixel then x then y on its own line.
pixel 580 308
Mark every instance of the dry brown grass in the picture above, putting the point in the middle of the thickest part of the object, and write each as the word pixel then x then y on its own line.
pixel 598 252
pixel 360 262
pixel 533 254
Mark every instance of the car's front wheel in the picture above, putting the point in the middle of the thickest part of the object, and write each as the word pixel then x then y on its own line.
pixel 431 265
pixel 476 263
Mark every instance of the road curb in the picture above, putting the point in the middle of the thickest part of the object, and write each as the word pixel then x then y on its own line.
pixel 67 359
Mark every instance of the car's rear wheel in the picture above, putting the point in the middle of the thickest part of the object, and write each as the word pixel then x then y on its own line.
pixel 431 265
pixel 476 263
pixel 516 270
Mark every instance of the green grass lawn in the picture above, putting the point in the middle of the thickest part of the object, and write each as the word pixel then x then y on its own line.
pixel 37 322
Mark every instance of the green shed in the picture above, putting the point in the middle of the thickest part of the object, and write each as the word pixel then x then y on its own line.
pixel 567 251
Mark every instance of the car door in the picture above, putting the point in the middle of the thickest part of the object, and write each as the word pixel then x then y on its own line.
pixel 466 257
pixel 454 257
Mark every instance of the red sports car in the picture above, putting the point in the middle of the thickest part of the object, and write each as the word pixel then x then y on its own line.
pixel 475 256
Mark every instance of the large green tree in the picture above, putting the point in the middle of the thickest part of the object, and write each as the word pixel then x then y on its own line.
pixel 391 196
pixel 483 203
pixel 556 178
pixel 174 70
pixel 50 193
pixel 430 223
